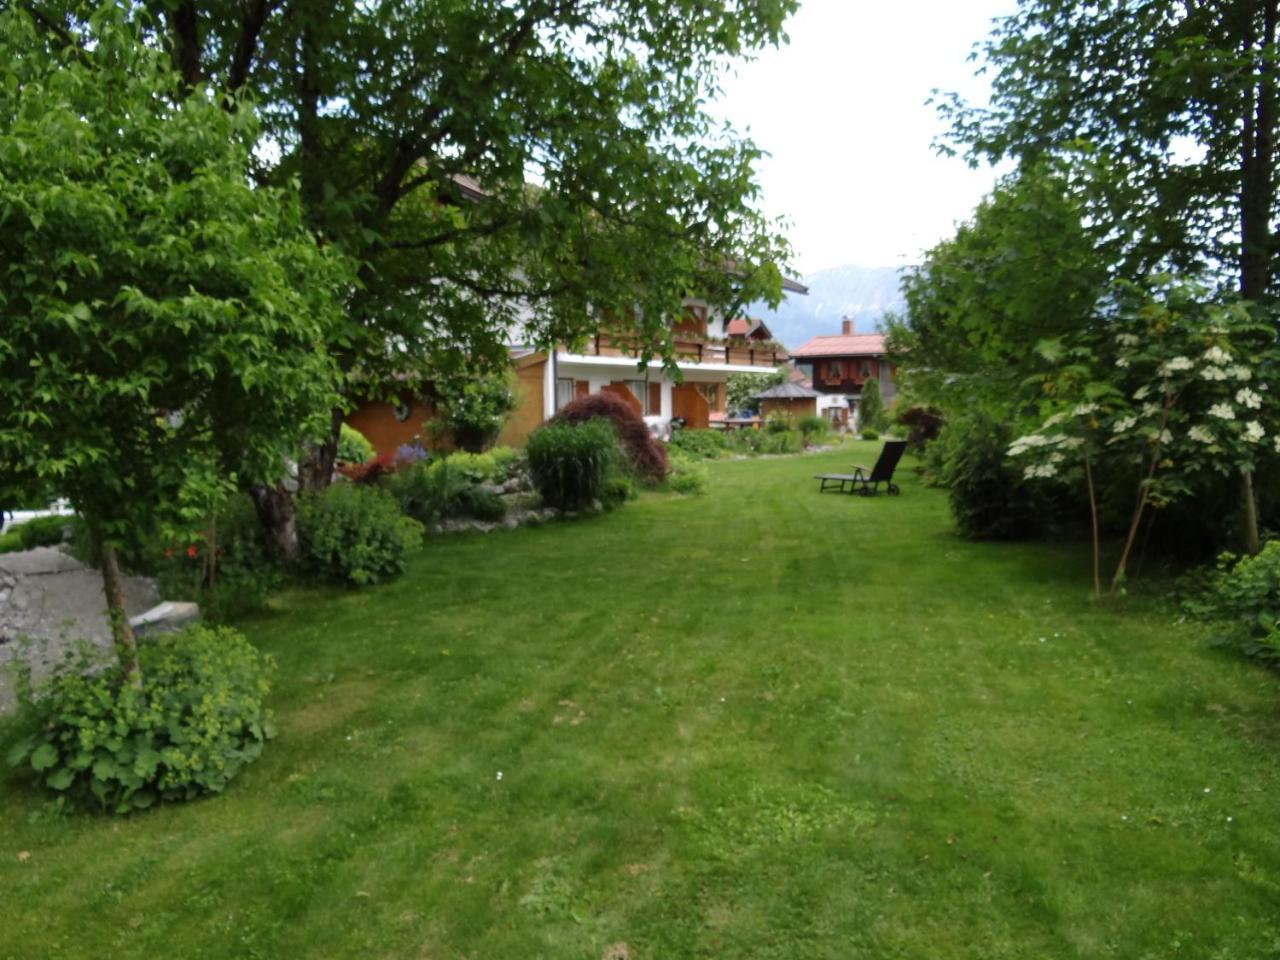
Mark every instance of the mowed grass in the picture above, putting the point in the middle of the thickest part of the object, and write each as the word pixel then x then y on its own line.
pixel 760 723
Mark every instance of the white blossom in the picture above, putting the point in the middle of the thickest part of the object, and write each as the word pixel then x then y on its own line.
pixel 1165 436
pixel 1072 443
pixel 1275 442
pixel 1023 444
pixel 1215 373
pixel 1056 419
pixel 1200 434
pixel 1084 409
pixel 1253 431
pixel 1126 339
pixel 1150 409
pixel 1122 361
pixel 1247 398
pixel 1240 372
pixel 1044 470
pixel 1176 364
pixel 1217 355
pixel 1123 424
pixel 1223 411
pixel 1142 392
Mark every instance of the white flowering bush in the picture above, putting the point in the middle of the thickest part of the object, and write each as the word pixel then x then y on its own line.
pixel 1172 388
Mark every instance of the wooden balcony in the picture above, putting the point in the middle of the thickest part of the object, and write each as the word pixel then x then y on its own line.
pixel 694 350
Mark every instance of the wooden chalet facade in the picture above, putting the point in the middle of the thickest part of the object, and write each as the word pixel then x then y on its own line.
pixel 839 364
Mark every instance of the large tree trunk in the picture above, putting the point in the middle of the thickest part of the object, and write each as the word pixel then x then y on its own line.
pixel 274 506
pixel 1257 198
pixel 121 631
pixel 315 471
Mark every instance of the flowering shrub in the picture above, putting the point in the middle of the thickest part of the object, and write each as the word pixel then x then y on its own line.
pixel 195 722
pixel 1167 389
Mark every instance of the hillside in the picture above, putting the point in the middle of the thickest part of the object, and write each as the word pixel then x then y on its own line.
pixel 863 294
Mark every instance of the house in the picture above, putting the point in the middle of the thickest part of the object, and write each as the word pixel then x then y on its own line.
pixel 840 363
pixel 788 400
pixel 747 329
pixel 706 354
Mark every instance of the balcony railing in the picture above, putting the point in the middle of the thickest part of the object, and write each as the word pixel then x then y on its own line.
pixel 695 350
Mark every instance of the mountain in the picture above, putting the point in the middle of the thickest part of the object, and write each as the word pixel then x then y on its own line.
pixel 863 294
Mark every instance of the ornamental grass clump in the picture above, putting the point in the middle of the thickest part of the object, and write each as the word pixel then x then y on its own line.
pixel 644 454
pixel 570 463
pixel 194 722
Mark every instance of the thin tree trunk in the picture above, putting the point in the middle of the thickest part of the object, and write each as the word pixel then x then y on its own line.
pixel 315 471
pixel 121 632
pixel 1093 522
pixel 274 506
pixel 1132 535
pixel 1252 542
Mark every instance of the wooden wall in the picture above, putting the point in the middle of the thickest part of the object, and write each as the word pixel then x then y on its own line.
pixel 688 402
pixel 376 419
pixel 527 416
pixel 789 408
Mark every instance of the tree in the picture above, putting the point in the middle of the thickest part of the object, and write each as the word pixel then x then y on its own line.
pixel 163 324
pixel 1175 107
pixel 871 412
pixel 741 388
pixel 544 166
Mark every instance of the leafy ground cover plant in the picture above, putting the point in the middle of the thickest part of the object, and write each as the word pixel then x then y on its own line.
pixel 356 534
pixel 645 455
pixel 707 444
pixel 192 725
pixel 570 462
pixel 447 489
pixel 352 446
pixel 1241 596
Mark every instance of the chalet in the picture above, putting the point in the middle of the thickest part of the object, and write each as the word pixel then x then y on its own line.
pixel 789 401
pixel 708 349
pixel 840 363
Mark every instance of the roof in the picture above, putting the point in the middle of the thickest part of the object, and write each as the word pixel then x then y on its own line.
pixel 797 376
pixel 840 345
pixel 788 391
pixel 738 327
pixel 793 286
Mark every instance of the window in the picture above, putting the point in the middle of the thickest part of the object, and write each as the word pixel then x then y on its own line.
pixel 710 393
pixel 564 392
pixel 640 390
pixel 866 369
pixel 835 371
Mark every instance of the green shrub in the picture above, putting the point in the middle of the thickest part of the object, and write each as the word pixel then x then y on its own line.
pixel 708 444
pixel 1242 596
pixel 616 490
pixel 352 446
pixel 788 441
pixel 990 499
pixel 431 492
pixel 356 534
pixel 509 461
pixel 869 434
pixel 688 476
pixel 812 427
pixel 196 721
pixel 777 424
pixel 44 531
pixel 871 411
pixel 478 467
pixel 570 462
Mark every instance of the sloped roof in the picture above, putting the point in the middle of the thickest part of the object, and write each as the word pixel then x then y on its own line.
pixel 797 376
pixel 738 327
pixel 841 345
pixel 788 391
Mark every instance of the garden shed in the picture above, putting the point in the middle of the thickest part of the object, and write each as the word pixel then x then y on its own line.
pixel 789 401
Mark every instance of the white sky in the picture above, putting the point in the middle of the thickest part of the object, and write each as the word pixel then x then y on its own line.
pixel 841 111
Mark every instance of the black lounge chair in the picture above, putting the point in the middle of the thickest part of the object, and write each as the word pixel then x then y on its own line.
pixel 867 481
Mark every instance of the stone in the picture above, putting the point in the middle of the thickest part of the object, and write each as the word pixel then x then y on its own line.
pixel 168 617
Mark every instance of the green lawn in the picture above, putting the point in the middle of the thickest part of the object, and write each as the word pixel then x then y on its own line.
pixel 759 723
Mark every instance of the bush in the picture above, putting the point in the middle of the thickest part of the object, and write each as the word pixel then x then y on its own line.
pixel 356 534
pixel 871 412
pixel 616 490
pixel 990 499
pixel 869 434
pixel 922 426
pixel 352 446
pixel 570 462
pixel 430 492
pixel 777 423
pixel 812 427
pixel 228 571
pixel 688 476
pixel 39 532
pixel 787 441
pixel 645 455
pixel 196 721
pixel 1242 595
pixel 707 444
pixel 474 406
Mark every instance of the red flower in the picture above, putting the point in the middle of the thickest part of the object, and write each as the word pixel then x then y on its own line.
pixel 191 551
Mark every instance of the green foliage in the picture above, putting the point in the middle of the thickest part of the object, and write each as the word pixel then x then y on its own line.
pixel 990 498
pixel 707 444
pixel 165 321
pixel 813 427
pixel 777 423
pixel 44 531
pixel 741 388
pixel 753 442
pixel 352 446
pixel 870 434
pixel 1241 596
pixel 688 476
pixel 616 490
pixel 871 410
pixel 226 568
pixel 474 406
pixel 448 489
pixel 198 718
pixel 569 463
pixel 356 534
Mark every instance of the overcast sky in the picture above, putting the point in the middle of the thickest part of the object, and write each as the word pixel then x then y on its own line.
pixel 841 110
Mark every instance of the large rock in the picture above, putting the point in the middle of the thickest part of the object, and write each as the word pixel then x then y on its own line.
pixel 49 604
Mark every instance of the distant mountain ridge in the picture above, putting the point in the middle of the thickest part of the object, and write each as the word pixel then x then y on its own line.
pixel 864 294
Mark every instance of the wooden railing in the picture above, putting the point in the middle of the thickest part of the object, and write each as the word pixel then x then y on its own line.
pixel 694 350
